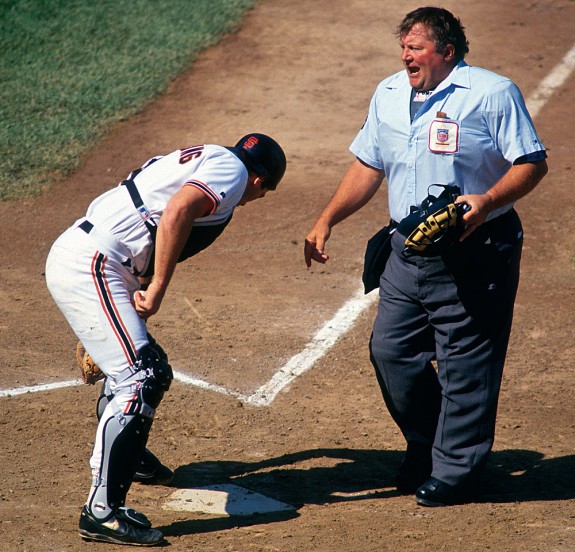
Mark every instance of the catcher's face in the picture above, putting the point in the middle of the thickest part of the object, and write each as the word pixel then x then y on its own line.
pixel 254 190
pixel 425 66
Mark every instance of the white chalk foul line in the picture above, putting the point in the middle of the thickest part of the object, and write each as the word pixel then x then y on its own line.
pixel 552 82
pixel 202 384
pixel 38 388
pixel 321 342
pixel 345 318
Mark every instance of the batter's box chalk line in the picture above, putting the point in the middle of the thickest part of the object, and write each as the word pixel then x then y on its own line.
pixel 343 320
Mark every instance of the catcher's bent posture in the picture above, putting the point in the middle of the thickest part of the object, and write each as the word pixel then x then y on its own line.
pixel 168 210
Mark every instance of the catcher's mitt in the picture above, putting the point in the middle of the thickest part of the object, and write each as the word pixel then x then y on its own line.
pixel 434 225
pixel 89 370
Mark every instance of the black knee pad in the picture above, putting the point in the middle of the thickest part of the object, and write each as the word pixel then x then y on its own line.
pixel 158 378
pixel 157 347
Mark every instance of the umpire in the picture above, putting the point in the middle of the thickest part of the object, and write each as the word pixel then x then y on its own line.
pixel 441 121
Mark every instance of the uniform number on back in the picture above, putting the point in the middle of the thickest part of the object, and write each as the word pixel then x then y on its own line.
pixel 190 153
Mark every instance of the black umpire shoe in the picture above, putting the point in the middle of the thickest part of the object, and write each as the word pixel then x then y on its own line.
pixel 437 493
pixel 125 527
pixel 152 472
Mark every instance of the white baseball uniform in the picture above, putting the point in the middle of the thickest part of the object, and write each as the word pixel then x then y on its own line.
pixel 92 268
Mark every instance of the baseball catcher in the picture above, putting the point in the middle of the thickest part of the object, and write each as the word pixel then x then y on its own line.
pixel 164 212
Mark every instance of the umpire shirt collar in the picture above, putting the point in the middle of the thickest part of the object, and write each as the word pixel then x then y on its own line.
pixel 459 76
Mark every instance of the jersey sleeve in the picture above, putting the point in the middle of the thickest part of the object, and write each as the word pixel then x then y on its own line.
pixel 365 145
pixel 531 157
pixel 509 122
pixel 222 178
pixel 207 191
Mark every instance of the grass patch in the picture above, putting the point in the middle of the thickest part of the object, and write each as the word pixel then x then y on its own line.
pixel 71 68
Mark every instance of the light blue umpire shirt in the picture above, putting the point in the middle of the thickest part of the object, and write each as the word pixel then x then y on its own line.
pixel 468 132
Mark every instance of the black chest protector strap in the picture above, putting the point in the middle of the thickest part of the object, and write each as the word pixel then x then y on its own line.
pixel 139 205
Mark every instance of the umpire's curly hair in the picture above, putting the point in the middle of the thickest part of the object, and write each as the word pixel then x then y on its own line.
pixel 444 29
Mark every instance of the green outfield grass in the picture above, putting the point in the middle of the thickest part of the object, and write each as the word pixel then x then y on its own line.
pixel 69 69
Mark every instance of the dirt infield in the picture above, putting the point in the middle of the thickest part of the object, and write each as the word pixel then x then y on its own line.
pixel 302 71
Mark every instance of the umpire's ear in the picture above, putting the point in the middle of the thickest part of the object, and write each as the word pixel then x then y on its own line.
pixel 449 52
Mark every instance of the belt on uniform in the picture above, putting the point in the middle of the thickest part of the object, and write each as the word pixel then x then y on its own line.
pixel 114 246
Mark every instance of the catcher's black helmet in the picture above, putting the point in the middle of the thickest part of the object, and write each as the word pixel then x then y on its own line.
pixel 264 156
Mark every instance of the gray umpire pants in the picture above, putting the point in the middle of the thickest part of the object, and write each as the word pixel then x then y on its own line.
pixel 457 310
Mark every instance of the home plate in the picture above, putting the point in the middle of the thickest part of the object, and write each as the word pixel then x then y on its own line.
pixel 224 499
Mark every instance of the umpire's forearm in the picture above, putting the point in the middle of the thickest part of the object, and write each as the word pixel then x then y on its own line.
pixel 517 183
pixel 356 188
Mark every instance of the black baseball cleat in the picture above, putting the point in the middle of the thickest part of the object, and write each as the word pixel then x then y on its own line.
pixel 125 527
pixel 152 472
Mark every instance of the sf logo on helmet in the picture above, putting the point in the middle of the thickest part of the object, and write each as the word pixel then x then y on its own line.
pixel 250 142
